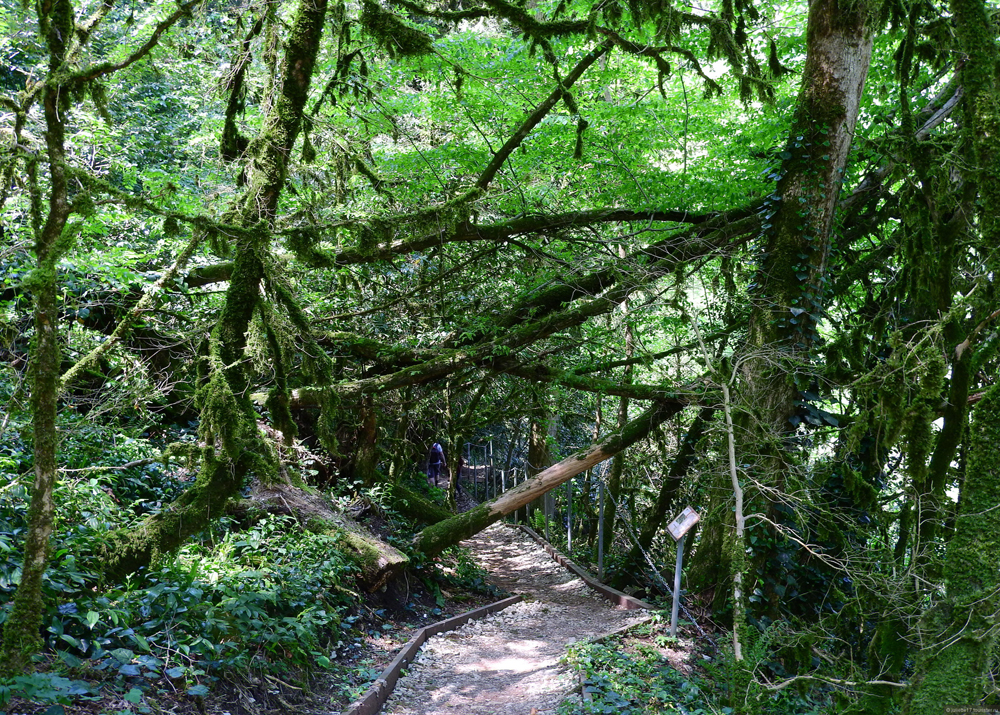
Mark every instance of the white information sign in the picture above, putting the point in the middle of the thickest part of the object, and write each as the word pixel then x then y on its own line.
pixel 684 522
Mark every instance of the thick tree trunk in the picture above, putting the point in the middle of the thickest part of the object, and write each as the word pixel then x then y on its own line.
pixel 438 537
pixel 790 295
pixel 792 280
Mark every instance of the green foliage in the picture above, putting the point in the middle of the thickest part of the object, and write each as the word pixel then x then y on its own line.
pixel 45 689
pixel 268 598
pixel 632 682
pixel 631 675
pixel 395 135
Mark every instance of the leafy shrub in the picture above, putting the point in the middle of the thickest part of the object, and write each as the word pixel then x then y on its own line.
pixel 633 683
pixel 264 598
pixel 268 598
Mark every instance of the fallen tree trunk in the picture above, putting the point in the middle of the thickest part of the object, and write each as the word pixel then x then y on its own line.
pixel 437 537
pixel 377 561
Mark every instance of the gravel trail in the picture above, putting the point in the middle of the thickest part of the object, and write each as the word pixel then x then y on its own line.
pixel 508 663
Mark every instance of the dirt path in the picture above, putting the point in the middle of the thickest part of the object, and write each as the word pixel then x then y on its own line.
pixel 508 663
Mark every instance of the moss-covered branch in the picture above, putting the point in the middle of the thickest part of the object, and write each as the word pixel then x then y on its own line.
pixel 463 232
pixel 102 70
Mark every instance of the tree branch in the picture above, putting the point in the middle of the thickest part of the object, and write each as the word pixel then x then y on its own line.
pixel 539 114
pixel 107 68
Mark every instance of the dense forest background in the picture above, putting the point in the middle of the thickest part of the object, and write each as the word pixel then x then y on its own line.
pixel 257 256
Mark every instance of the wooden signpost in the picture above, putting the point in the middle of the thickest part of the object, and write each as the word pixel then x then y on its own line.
pixel 678 529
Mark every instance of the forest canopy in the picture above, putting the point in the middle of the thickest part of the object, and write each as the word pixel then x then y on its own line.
pixel 257 256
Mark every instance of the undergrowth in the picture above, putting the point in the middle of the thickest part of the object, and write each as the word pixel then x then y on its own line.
pixel 631 681
pixel 630 674
pixel 267 600
pixel 236 603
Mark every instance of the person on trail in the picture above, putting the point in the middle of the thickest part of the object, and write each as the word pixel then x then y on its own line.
pixel 436 462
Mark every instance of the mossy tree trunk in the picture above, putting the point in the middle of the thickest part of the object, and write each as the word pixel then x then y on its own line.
pixel 235 448
pixel 437 537
pixel 777 380
pixel 958 635
pixel 948 224
pixel 939 216
pixel 792 281
pixel 21 633
pixel 54 235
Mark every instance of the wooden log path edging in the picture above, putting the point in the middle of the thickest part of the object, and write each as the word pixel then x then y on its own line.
pixel 376 695
pixel 615 596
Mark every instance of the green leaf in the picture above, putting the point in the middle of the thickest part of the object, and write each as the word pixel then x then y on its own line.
pixel 68 658
pixel 133 696
pixel 123 655
pixel 141 642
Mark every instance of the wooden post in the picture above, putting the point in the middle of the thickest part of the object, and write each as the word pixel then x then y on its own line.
pixel 569 516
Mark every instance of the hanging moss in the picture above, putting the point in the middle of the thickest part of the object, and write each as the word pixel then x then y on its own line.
pixel 328 422
pixel 277 399
pixel 393 35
